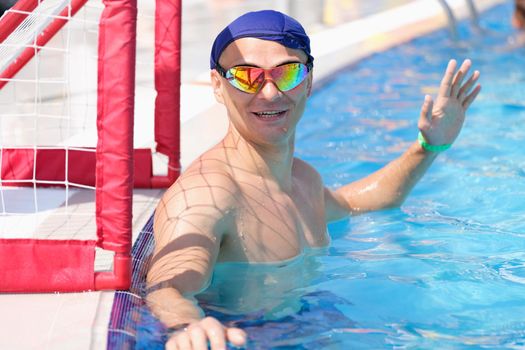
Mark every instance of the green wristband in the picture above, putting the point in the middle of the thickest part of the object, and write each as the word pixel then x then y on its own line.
pixel 429 147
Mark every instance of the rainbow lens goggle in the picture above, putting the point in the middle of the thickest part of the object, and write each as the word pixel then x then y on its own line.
pixel 251 79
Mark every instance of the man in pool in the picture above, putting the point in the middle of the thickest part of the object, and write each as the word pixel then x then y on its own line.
pixel 248 199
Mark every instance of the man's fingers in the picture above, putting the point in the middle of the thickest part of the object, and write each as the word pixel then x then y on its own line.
pixel 446 82
pixel 215 332
pixel 183 341
pixel 458 79
pixel 465 89
pixel 171 344
pixel 460 75
pixel 206 331
pixel 198 338
pixel 425 117
pixel 470 98
pixel 236 336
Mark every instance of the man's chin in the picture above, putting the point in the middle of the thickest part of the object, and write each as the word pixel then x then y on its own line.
pixel 274 137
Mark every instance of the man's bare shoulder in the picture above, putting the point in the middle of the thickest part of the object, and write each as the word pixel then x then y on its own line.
pixel 206 185
pixel 306 172
pixel 190 221
pixel 212 162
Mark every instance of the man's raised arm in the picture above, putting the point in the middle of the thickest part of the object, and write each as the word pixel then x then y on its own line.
pixel 439 124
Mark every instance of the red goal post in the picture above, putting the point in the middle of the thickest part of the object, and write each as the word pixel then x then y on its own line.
pixel 113 167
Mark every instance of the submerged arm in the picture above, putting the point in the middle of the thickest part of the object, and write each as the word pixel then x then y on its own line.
pixel 439 125
pixel 189 225
pixel 181 266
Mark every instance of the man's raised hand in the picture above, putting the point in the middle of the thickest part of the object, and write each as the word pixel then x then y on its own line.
pixel 441 121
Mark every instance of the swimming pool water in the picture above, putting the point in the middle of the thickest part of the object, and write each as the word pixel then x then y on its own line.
pixel 444 271
pixel 447 269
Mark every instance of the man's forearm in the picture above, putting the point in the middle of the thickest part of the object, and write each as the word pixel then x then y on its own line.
pixel 389 186
pixel 172 308
pixel 411 166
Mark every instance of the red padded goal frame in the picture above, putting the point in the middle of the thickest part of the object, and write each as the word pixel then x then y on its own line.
pixel 42 265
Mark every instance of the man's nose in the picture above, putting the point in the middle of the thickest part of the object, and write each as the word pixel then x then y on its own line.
pixel 269 90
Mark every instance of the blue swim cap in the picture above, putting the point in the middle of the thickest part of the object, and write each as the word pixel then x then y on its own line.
pixel 267 25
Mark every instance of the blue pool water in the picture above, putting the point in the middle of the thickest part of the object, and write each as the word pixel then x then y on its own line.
pixel 444 271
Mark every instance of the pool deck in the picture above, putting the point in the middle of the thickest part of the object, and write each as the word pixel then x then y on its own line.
pixel 80 320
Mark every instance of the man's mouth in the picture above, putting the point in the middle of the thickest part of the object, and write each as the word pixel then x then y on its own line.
pixel 270 115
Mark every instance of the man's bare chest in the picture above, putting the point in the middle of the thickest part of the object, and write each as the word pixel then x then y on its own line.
pixel 270 225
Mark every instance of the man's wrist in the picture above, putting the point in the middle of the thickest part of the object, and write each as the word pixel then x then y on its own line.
pixel 431 148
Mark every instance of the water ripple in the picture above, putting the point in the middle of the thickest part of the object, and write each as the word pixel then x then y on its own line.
pixel 513 271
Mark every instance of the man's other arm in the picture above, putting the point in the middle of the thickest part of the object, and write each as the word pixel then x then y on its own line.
pixel 439 123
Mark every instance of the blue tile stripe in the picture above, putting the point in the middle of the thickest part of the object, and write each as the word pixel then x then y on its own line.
pixel 123 321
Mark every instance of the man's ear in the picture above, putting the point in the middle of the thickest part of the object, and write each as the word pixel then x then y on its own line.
pixel 216 84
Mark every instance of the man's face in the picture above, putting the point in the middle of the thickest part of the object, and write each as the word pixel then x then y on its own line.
pixel 269 116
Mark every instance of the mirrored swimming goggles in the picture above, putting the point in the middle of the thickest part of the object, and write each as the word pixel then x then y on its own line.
pixel 251 79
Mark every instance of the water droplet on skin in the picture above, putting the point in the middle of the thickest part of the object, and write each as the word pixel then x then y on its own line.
pixel 241 226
